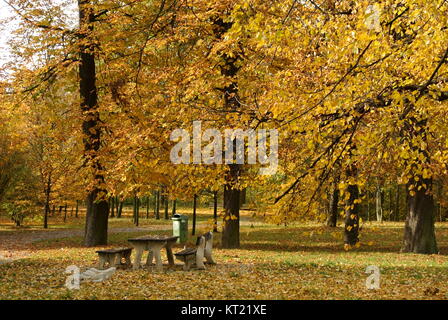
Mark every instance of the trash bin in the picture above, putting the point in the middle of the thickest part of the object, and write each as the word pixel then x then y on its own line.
pixel 180 227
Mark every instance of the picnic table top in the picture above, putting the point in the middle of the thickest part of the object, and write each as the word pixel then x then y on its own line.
pixel 117 250
pixel 153 239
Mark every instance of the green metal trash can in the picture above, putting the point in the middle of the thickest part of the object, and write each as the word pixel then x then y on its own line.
pixel 180 227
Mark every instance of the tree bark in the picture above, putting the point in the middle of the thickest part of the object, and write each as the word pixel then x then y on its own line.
pixel 332 218
pixel 167 202
pixel 136 210
pixel 351 231
pixel 47 201
pixel 173 212
pixel 419 233
pixel 391 209
pixel 229 68
pixel 379 204
pixel 439 199
pixel 215 211
pixel 112 209
pixel 77 209
pixel 397 204
pixel 96 221
pixel 97 207
pixel 243 197
pixel 120 209
pixel 231 228
pixel 65 213
pixel 157 205
pixel 368 204
pixel 195 198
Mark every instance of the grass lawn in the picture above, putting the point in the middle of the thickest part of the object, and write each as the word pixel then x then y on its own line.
pixel 301 261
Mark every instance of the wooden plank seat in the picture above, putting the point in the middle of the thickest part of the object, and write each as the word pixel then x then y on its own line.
pixel 195 256
pixel 115 257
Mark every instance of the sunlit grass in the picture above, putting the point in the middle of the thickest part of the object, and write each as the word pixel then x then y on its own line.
pixel 301 261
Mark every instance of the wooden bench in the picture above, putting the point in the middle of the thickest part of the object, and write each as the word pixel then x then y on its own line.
pixel 114 257
pixel 195 256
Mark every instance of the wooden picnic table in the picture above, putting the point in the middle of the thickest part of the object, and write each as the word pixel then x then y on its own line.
pixel 154 246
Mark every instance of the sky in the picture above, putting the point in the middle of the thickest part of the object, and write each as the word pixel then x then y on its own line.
pixel 5 31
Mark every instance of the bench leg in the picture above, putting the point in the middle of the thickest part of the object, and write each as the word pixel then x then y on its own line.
pixel 112 260
pixel 102 262
pixel 187 264
pixel 159 264
pixel 200 263
pixel 150 258
pixel 156 249
pixel 138 258
pixel 127 259
pixel 169 254
pixel 209 257
pixel 199 258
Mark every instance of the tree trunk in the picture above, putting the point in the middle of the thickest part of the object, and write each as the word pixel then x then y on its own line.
pixel 332 218
pixel 195 198
pixel 136 210
pixel 137 215
pixel 97 207
pixel 439 199
pixel 419 233
pixel 65 213
pixel 155 202
pixel 215 211
pixel 397 204
pixel 368 205
pixel 77 209
pixel 120 209
pixel 174 207
pixel 112 209
pixel 96 221
pixel 351 231
pixel 243 197
pixel 167 202
pixel 147 207
pixel 379 204
pixel 157 205
pixel 231 227
pixel 391 208
pixel 229 69
pixel 47 201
